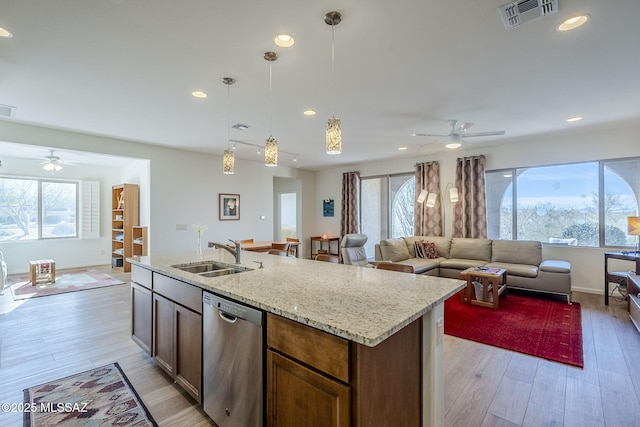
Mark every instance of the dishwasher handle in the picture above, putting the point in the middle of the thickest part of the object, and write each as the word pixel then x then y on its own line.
pixel 227 317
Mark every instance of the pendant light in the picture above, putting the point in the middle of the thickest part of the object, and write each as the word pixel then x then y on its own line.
pixel 334 132
pixel 228 160
pixel 271 144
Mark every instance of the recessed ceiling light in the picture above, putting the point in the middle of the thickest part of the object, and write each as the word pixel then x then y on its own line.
pixel 240 126
pixel 573 22
pixel 284 40
pixel 402 148
pixel 507 175
pixel 5 33
pixel 574 119
pixel 199 94
pixel 309 113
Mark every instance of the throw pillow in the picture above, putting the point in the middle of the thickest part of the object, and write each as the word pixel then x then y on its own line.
pixel 426 250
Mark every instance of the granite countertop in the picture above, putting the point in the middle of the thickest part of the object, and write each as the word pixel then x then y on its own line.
pixel 364 305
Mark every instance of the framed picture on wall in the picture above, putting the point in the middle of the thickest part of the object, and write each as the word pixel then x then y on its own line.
pixel 229 205
pixel 327 207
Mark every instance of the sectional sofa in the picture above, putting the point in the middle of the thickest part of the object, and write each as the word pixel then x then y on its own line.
pixel 522 259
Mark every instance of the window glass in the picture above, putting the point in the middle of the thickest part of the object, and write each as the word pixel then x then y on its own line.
pixel 386 208
pixel 59 209
pixel 31 209
pixel 581 204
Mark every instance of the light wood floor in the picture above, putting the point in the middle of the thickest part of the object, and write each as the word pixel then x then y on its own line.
pixel 45 338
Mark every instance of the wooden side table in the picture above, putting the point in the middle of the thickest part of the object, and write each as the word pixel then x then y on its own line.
pixel 494 277
pixel 43 270
pixel 321 241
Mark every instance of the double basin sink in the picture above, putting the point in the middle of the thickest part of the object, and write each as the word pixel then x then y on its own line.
pixel 211 268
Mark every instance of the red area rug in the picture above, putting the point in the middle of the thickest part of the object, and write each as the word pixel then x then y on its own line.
pixel 539 327
pixel 69 281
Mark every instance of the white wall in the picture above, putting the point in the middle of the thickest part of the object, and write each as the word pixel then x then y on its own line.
pixel 180 187
pixel 581 144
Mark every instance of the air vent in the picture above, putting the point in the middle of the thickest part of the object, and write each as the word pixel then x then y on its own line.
pixel 517 13
pixel 7 110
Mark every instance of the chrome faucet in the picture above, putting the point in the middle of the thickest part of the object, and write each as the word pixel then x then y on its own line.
pixel 235 252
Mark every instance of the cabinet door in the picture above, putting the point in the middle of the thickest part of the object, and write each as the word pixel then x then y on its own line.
pixel 188 339
pixel 141 316
pixel 163 333
pixel 298 396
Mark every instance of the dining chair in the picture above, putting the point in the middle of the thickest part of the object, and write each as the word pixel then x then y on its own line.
pixel 277 252
pixel 403 268
pixel 327 258
pixel 280 246
pixel 293 249
pixel 246 241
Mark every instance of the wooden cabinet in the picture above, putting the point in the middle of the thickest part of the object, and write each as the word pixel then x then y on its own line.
pixel 177 334
pixel 141 307
pixel 124 215
pixel 317 379
pixel 141 325
pixel 139 236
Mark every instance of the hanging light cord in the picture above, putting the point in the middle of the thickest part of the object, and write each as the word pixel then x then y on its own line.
pixel 228 115
pixel 333 74
pixel 270 99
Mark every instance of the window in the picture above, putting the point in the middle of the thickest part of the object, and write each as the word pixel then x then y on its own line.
pixel 386 206
pixel 580 204
pixel 33 209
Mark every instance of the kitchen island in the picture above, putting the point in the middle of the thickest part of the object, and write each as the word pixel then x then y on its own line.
pixel 366 308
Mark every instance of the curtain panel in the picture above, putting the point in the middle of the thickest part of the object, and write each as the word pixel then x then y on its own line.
pixel 428 221
pixel 470 214
pixel 350 213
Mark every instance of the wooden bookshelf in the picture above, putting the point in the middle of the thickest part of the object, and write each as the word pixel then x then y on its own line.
pixel 139 240
pixel 124 215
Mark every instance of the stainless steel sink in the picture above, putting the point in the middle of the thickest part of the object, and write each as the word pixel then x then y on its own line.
pixel 211 268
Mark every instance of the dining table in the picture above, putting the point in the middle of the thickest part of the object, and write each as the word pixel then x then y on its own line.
pixel 264 246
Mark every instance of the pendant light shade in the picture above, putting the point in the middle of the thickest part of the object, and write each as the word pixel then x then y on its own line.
pixel 271 152
pixel 271 144
pixel 228 159
pixel 334 131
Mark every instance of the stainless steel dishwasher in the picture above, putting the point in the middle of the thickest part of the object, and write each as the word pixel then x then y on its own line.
pixel 233 379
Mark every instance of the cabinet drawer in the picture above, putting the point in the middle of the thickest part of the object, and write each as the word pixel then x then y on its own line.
pixel 183 293
pixel 141 276
pixel 634 310
pixel 323 351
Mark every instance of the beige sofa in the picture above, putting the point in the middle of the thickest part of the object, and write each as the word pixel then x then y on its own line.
pixel 522 259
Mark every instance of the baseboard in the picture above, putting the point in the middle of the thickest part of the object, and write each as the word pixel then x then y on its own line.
pixel 588 290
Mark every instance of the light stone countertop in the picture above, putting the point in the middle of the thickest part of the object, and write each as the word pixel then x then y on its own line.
pixel 364 305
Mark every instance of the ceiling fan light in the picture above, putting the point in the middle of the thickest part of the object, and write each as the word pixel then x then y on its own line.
pixel 334 136
pixel 228 162
pixel 271 152
pixel 453 145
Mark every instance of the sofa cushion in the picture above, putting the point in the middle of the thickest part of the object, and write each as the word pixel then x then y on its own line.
pixel 394 250
pixel 522 270
pixel 471 249
pixel 516 252
pixel 443 244
pixel 555 266
pixel 422 265
pixel 460 263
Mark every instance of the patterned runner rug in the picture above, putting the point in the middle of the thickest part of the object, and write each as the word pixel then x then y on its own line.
pixel 68 281
pixel 540 327
pixel 99 397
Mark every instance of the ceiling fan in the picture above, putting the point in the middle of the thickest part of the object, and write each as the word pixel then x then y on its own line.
pixel 52 162
pixel 458 131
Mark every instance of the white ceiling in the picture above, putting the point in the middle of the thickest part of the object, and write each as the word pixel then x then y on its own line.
pixel 126 69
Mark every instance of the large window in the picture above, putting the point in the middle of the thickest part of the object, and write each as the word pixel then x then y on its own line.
pixel 386 205
pixel 37 209
pixel 580 204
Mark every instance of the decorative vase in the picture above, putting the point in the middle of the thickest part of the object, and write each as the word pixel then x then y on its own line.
pixel 199 247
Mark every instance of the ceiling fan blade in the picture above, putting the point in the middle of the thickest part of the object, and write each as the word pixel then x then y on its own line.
pixel 470 135
pixel 429 134
pixel 460 127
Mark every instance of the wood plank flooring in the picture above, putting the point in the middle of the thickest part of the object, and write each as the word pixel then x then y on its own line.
pixel 45 338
